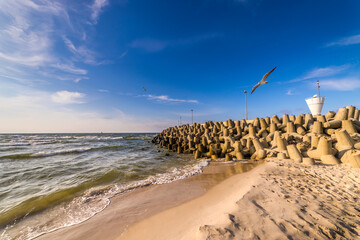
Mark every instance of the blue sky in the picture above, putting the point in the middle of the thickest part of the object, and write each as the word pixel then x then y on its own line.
pixel 80 66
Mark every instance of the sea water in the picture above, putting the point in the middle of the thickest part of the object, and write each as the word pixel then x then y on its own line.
pixel 50 181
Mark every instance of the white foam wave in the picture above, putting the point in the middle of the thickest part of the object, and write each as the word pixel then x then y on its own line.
pixel 51 153
pixel 89 204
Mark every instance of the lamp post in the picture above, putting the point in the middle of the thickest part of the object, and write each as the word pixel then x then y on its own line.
pixel 192 116
pixel 318 87
pixel 246 114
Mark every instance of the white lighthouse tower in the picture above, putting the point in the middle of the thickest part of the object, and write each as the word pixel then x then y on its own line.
pixel 316 102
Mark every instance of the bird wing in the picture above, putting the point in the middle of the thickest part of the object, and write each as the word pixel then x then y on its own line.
pixel 266 75
pixel 258 84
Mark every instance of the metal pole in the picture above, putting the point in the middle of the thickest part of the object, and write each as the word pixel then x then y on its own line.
pixel 180 121
pixel 318 87
pixel 246 114
pixel 192 116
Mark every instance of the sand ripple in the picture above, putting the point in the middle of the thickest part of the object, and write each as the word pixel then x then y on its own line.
pixel 296 202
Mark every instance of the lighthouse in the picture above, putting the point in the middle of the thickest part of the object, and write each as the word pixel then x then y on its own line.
pixel 316 102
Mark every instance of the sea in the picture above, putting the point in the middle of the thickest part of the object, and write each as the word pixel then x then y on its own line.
pixel 50 181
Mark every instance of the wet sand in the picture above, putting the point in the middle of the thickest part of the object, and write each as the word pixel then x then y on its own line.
pixel 129 208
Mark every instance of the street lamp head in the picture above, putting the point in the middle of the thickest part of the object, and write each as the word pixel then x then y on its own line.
pixel 245 91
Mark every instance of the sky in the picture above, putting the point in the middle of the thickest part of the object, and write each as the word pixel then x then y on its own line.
pixel 140 65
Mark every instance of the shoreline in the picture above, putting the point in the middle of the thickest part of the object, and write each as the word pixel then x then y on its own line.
pixel 277 200
pixel 128 208
pixel 183 221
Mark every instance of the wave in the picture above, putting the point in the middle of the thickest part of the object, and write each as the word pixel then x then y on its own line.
pixel 58 152
pixel 81 207
pixel 31 142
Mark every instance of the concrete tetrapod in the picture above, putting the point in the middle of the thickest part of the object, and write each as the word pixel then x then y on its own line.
pixel 282 155
pixel 333 124
pixel 260 153
pixel 308 161
pixel 323 148
pixel 357 114
pixel 348 155
pixel 355 160
pixel 281 144
pixel 341 114
pixel 330 115
pixel 351 111
pixel 320 118
pixel 294 153
pixel 290 128
pixel 329 159
pixel 344 141
pixel 317 127
pixel 348 126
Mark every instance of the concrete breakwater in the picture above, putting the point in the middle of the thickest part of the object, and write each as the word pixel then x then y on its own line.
pixel 332 138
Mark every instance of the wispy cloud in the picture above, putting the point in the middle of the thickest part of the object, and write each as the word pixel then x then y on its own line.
pixel 81 53
pixel 66 97
pixel 103 90
pixel 26 29
pixel 323 72
pixel 341 84
pixel 70 68
pixel 290 92
pixel 29 41
pixel 355 39
pixel 124 54
pixel 165 98
pixel 96 9
pixel 155 45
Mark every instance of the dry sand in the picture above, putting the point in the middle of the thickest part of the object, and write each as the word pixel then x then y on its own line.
pixel 277 200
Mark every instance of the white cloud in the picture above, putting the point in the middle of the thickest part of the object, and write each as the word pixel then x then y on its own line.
pixel 342 84
pixel 28 110
pixel 26 29
pixel 66 97
pixel 346 41
pixel 69 44
pixel 323 72
pixel 165 98
pixel 82 53
pixel 29 37
pixel 103 90
pixel 70 69
pixel 96 9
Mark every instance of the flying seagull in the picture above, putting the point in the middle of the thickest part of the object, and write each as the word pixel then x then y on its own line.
pixel 263 80
pixel 144 89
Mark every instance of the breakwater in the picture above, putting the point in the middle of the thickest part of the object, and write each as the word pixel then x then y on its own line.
pixel 332 138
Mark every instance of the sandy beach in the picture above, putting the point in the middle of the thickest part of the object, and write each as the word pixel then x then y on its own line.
pixel 131 207
pixel 279 199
